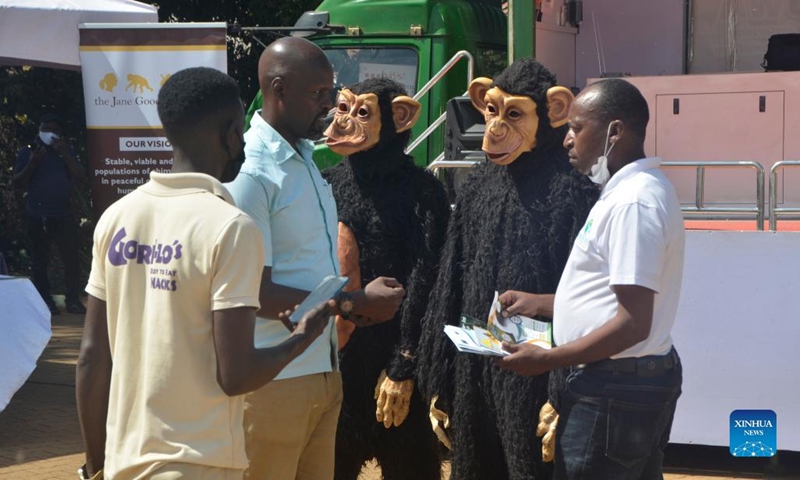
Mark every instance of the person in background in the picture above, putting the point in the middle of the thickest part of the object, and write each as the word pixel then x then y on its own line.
pixel 48 170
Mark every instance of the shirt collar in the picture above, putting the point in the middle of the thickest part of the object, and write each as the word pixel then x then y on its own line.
pixel 280 149
pixel 173 184
pixel 630 170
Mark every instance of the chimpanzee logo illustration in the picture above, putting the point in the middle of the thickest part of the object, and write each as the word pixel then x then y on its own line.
pixel 137 81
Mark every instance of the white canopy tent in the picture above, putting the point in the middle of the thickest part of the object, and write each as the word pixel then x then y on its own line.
pixel 45 32
pixel 25 324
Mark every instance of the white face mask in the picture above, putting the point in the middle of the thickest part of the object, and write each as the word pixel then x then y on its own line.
pixel 47 137
pixel 599 172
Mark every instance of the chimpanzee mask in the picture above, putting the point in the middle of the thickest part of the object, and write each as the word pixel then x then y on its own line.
pixel 511 120
pixel 356 126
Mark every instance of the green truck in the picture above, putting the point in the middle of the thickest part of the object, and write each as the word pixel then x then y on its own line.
pixel 409 41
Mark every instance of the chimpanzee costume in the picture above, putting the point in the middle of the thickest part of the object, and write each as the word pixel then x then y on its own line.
pixel 514 222
pixel 393 218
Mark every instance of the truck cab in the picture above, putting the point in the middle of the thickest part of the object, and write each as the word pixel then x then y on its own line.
pixel 408 41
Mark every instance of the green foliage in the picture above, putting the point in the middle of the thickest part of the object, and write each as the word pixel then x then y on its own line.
pixel 243 52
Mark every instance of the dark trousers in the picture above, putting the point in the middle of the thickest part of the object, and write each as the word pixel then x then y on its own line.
pixel 615 426
pixel 63 231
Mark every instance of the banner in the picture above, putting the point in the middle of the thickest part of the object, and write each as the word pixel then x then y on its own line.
pixel 124 66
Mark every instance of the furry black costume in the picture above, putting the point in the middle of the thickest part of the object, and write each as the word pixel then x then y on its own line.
pixel 512 229
pixel 398 215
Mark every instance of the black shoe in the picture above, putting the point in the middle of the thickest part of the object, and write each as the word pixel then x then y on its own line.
pixel 76 308
pixel 53 309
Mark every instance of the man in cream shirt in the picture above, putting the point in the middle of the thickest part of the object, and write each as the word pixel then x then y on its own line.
pixel 167 350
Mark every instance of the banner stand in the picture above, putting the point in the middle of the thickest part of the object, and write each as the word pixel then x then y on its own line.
pixel 124 65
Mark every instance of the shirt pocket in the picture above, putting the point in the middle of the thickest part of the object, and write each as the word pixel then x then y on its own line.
pixel 328 188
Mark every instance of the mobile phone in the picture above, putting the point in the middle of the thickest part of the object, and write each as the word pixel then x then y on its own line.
pixel 329 288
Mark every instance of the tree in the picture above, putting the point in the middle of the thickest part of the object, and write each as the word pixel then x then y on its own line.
pixel 243 52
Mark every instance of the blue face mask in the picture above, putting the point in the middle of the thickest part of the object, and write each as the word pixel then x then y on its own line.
pixel 47 137
pixel 599 172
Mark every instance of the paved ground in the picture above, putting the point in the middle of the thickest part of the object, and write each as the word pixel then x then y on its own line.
pixel 39 433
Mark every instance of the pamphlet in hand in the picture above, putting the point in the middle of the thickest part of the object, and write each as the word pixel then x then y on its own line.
pixel 485 338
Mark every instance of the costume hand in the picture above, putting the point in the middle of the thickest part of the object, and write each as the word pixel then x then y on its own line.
pixel 548 421
pixel 394 400
pixel 439 422
pixel 525 359
pixel 383 297
pixel 519 303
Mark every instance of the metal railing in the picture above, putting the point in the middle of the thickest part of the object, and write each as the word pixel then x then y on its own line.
pixel 439 163
pixel 430 84
pixel 701 210
pixel 774 210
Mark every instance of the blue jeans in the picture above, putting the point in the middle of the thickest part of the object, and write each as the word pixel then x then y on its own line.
pixel 615 426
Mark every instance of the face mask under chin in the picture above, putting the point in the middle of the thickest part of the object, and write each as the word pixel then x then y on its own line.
pixel 599 173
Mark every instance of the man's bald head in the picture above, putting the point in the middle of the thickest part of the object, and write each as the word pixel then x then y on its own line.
pixel 296 80
pixel 288 58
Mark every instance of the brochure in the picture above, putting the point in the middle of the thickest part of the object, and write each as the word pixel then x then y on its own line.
pixel 485 338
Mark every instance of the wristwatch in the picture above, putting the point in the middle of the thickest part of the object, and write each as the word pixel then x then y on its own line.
pixel 346 305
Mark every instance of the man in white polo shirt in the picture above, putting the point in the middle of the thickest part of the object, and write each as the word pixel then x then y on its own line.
pixel 290 426
pixel 617 299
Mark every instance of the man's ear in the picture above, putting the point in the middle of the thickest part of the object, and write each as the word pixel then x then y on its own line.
pixel 231 137
pixel 278 87
pixel 559 99
pixel 615 130
pixel 477 92
pixel 405 112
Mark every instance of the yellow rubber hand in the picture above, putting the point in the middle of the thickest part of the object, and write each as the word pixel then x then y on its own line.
pixel 548 421
pixel 394 400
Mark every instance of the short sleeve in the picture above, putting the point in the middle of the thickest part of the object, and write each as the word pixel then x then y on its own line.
pixel 238 256
pixel 97 277
pixel 637 246
pixel 251 197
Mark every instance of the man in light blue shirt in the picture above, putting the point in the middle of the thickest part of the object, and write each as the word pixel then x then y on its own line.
pixel 290 424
